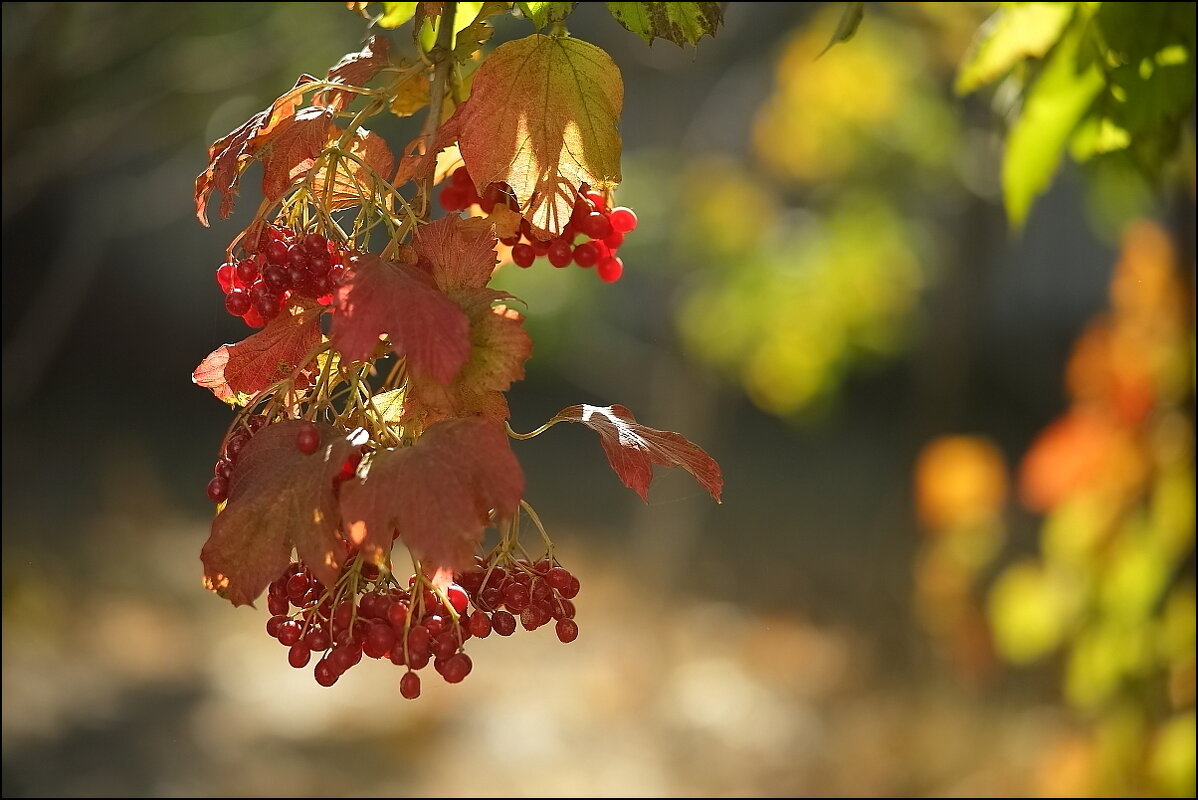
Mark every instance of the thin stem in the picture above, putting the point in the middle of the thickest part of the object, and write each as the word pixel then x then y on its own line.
pixel 531 434
pixel 443 54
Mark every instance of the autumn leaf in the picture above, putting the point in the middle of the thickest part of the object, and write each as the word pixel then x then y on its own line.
pixel 279 498
pixel 236 372
pixel 409 91
pixel 681 23
pixel 291 152
pixel 439 494
pixel 542 117
pixel 229 155
pixel 354 176
pixel 541 14
pixel 355 69
pixel 632 448
pixel 461 253
pixel 401 300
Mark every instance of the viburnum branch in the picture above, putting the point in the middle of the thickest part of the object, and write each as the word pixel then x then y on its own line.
pixel 443 58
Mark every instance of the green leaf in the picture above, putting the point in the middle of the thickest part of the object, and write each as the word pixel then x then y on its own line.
pixel 681 23
pixel 850 20
pixel 396 14
pixel 541 14
pixel 1055 105
pixel 1017 31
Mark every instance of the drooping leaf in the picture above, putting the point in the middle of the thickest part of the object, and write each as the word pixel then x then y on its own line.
pixel 279 498
pixel 846 28
pixel 236 372
pixel 681 23
pixel 229 155
pixel 409 92
pixel 1016 31
pixel 632 448
pixel 353 178
pixel 400 300
pixel 291 152
pixel 542 117
pixel 541 14
pixel 439 494
pixel 460 255
pixel 355 69
pixel 1056 104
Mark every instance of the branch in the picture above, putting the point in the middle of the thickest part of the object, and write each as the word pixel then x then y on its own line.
pixel 443 56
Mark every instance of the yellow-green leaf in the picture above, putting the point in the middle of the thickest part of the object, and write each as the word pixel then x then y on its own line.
pixel 681 23
pixel 1055 106
pixel 1015 32
pixel 396 14
pixel 542 117
pixel 850 20
pixel 541 14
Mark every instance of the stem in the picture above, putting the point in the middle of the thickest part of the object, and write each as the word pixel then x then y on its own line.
pixel 443 54
pixel 530 434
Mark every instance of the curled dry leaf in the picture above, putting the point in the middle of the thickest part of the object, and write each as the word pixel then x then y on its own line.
pixel 632 448
pixel 355 69
pixel 279 498
pixel 236 372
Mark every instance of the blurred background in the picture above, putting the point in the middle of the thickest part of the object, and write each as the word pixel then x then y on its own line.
pixel 956 550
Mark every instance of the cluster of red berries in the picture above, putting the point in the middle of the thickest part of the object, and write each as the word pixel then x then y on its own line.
pixel 218 487
pixel 284 264
pixel 418 625
pixel 602 228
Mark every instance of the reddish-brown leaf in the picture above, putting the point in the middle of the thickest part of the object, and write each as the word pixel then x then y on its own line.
pixel 542 117
pixel 461 252
pixel 229 155
pixel 355 69
pixel 236 372
pixel 439 494
pixel 402 301
pixel 279 498
pixel 292 150
pixel 419 161
pixel 632 448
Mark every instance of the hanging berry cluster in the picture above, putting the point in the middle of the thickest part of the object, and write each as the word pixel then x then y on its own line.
pixel 371 404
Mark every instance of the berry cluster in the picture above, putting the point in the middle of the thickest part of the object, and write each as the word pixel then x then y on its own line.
pixel 602 228
pixel 368 614
pixel 284 264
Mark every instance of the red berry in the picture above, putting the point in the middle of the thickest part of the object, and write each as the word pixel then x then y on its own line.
pixel 276 253
pixel 567 630
pixel 597 201
pixel 457 668
pixel 218 488
pixel 267 305
pixel 560 253
pixel 479 625
pixel 453 198
pixel 595 226
pixel 461 178
pixel 558 578
pixel 237 302
pixel 571 590
pixel 326 673
pixel 317 639
pixel 224 468
pixel 623 220
pixel 586 254
pixel 539 248
pixel 409 684
pixel 503 623
pixel 308 439
pixel 445 645
pixel 299 655
pixel 278 604
pixel 457 598
pixel 523 255
pixel 516 596
pixel 276 278
pixel 274 624
pixel 224 277
pixel 314 244
pixel 253 318
pixel 613 240
pixel 289 633
pixel 610 269
pixel 247 271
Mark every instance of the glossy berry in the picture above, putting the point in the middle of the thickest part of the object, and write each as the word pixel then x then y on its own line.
pixel 276 253
pixel 299 655
pixel 409 685
pixel 623 220
pixel 558 578
pixel 457 668
pixel 479 625
pixel 567 630
pixel 503 623
pixel 308 439
pixel 224 277
pixel 326 674
pixel 610 269
pixel 560 253
pixel 586 254
pixel 315 244
pixel 595 226
pixel 247 271
pixel 237 302
pixel 523 255
pixel 218 489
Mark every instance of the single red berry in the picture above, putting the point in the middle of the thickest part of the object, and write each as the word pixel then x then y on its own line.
pixel 613 241
pixel 289 633
pixel 445 645
pixel 276 278
pixel 307 440
pixel 418 641
pixel 299 655
pixel 434 624
pixel 237 302
pixel 558 578
pixel 457 668
pixel 317 639
pixel 278 604
pixel 319 263
pixel 397 615
pixel 610 269
pixel 218 488
pixel 503 623
pixel 457 598
pixel 597 201
pixel 276 253
pixel 516 596
pixel 479 625
pixel 567 630
pixel 247 271
pixel 560 253
pixel 523 255
pixel 267 305
pixel 253 318
pixel 315 243
pixel 586 254
pixel 595 226
pixel 461 178
pixel 623 220
pixel 454 198
pixel 300 281
pixel 571 589
pixel 326 674
pixel 297 585
pixel 409 685
pixel 224 277
pixel 224 469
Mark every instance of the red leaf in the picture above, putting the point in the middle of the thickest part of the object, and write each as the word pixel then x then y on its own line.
pixel 279 498
pixel 355 69
pixel 402 301
pixel 229 155
pixel 235 372
pixel 632 449
pixel 461 252
pixel 438 494
pixel 352 179
pixel 292 149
